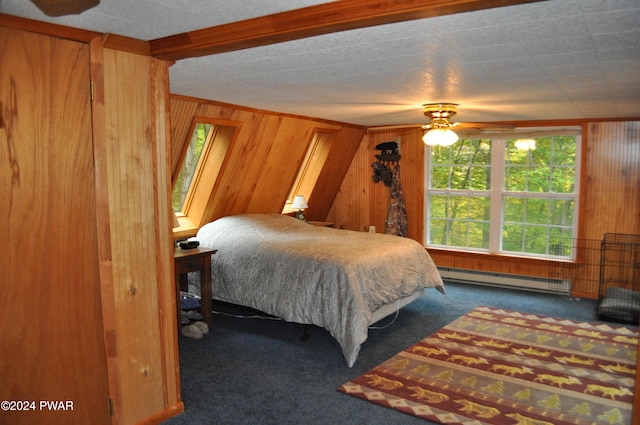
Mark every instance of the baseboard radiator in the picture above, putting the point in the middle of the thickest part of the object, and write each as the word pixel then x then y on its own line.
pixel 528 283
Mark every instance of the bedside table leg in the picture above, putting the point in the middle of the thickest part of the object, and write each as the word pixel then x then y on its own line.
pixel 205 291
pixel 178 298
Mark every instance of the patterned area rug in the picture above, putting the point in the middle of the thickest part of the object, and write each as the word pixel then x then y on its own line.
pixel 503 367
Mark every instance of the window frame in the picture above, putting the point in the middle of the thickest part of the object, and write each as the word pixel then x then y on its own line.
pixel 206 171
pixel 311 167
pixel 497 192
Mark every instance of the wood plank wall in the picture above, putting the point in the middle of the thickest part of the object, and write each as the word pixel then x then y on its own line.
pixel 610 200
pixel 138 264
pixel 50 308
pixel 264 158
pixel 361 203
pixel 612 192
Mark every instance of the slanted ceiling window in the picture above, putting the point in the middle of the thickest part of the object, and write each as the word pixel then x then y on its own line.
pixel 202 160
pixel 311 167
pixel 199 137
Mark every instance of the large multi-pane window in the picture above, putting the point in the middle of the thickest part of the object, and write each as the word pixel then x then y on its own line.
pixel 500 195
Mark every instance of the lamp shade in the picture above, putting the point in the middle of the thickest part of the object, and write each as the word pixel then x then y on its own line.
pixel 299 203
pixel 440 136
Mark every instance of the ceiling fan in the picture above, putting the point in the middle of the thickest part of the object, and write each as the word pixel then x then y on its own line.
pixel 440 132
pixel 64 7
pixel 440 128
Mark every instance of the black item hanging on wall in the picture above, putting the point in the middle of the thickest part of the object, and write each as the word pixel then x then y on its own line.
pixel 388 156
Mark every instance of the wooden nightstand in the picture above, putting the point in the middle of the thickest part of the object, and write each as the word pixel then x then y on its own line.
pixel 194 260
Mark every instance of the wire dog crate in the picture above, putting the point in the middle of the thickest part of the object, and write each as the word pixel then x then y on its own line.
pixel 619 291
pixel 576 262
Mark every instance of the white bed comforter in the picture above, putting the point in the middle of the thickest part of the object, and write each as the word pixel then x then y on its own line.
pixel 314 275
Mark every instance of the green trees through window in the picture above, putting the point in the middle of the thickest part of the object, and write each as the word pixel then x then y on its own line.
pixel 503 195
pixel 199 137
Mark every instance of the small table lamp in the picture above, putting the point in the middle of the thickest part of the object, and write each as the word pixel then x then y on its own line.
pixel 300 204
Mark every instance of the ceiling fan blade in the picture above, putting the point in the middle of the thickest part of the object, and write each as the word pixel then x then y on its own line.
pixel 486 125
pixel 64 7
pixel 394 127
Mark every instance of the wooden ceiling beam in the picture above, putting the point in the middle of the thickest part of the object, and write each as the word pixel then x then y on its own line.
pixel 308 22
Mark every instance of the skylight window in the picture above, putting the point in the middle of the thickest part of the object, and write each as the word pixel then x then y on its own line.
pixel 311 167
pixel 200 136
pixel 202 160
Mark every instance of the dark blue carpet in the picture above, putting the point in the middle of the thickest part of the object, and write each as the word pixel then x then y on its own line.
pixel 260 371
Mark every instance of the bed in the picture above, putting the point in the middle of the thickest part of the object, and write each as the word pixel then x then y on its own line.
pixel 340 280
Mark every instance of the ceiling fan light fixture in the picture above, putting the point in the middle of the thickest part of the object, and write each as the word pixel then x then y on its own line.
pixel 440 133
pixel 440 110
pixel 440 137
pixel 525 144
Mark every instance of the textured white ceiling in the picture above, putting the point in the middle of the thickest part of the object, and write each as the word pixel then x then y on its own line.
pixel 548 60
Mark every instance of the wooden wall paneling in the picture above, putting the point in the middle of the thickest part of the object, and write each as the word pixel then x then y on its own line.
pixel 128 188
pixel 98 118
pixel 136 229
pixel 612 203
pixel 50 306
pixel 350 209
pixel 412 180
pixel 262 161
pixel 245 159
pixel 223 111
pixel 309 169
pixel 343 150
pixel 490 262
pixel 110 40
pixel 160 134
pixel 280 167
pixel 182 113
pixel 380 194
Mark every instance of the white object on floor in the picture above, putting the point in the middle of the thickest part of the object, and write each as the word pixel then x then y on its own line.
pixel 202 326
pixel 192 331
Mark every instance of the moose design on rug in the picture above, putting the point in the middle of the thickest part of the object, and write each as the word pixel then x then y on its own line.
pixel 494 366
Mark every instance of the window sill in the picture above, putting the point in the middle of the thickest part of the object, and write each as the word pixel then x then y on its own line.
pixel 186 230
pixel 488 256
